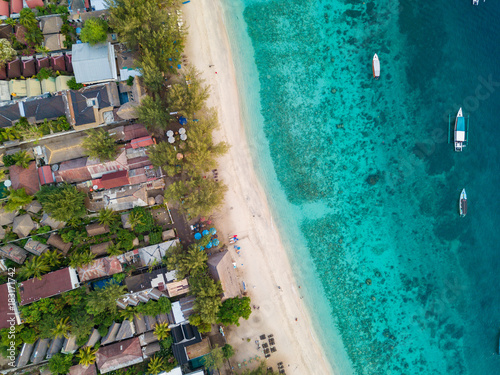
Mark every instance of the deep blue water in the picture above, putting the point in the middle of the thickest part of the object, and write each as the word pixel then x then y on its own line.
pixel 363 181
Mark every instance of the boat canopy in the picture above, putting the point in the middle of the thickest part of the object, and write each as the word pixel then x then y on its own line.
pixel 460 124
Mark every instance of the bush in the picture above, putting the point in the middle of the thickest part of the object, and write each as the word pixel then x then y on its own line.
pixel 44 229
pixel 130 81
pixel 8 160
pixel 73 85
pixel 44 73
pixel 155 237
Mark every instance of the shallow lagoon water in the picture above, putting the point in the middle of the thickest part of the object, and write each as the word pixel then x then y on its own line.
pixel 362 181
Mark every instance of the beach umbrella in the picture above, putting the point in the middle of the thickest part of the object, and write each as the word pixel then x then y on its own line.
pixel 215 242
pixel 170 133
pixel 213 231
pixel 184 137
pixel 183 120
pixel 197 236
pixel 182 131
pixel 205 232
pixel 209 245
pixel 171 139
pixel 179 156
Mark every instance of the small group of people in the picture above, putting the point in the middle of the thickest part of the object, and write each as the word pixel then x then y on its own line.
pixel 233 239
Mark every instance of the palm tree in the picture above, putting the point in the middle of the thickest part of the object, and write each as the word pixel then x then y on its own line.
pixel 107 216
pixel 21 159
pixel 135 219
pixel 81 259
pixel 87 356
pixel 52 258
pixel 129 313
pixel 87 257
pixel 115 249
pixel 62 328
pixel 17 199
pixel 161 331
pixel 35 267
pixel 156 365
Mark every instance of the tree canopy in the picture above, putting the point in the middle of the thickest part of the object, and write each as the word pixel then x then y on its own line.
pixel 62 203
pixel 95 30
pixel 214 359
pixel 188 96
pixel 197 197
pixel 153 113
pixel 17 199
pixel 164 155
pixel 60 363
pixel 6 52
pixel 102 300
pixel 190 262
pixel 100 145
pixel 233 309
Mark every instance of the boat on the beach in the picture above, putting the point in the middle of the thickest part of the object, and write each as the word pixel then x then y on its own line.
pixel 459 131
pixel 376 67
pixel 463 203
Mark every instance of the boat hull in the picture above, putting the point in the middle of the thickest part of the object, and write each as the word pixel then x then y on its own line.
pixel 376 67
pixel 463 203
pixel 459 131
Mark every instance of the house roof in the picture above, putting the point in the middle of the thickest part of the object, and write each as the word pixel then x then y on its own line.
pixel 34 207
pixel 81 370
pixel 115 179
pixel 16 6
pixel 129 132
pixel 62 82
pixel 122 354
pixel 69 65
pixel 23 225
pixel 151 349
pixel 100 268
pixel 220 266
pixel 45 175
pixel 28 67
pixel 101 248
pixel 45 108
pixel 177 288
pixel 142 142
pixel 25 178
pixel 50 221
pixel 96 229
pixel 24 355
pixel 55 42
pixel 42 62
pixel 126 330
pixel 35 247
pixel 49 84
pixel 55 346
pixel 58 63
pixel 184 335
pixel 56 241
pixel 4 89
pixel 199 349
pixel 6 217
pixel 17 88
pixel 5 29
pixel 33 87
pixel 9 114
pixel 73 171
pixel 155 252
pixel 50 25
pixel 94 63
pixel 139 324
pixel 3 74
pixel 82 106
pixel 67 149
pixel 14 253
pixel 154 279
pixel 6 314
pixel 14 68
pixel 93 338
pixel 51 284
pixel 40 350
pixel 69 345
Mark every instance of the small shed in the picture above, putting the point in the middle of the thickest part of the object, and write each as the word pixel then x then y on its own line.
pixel 101 248
pixel 56 241
pixel 35 247
pixel 23 225
pixel 96 229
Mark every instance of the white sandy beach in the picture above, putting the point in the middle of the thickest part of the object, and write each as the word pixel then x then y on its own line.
pixel 262 263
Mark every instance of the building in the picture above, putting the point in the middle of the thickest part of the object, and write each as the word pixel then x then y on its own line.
pixel 177 288
pixel 96 229
pixel 82 370
pixel 122 354
pixel 51 284
pixel 35 247
pixel 56 241
pixel 100 268
pixel 155 279
pixel 23 225
pixel 94 64
pixel 25 178
pixel 14 253
pixel 59 151
pixel 154 253
pixel 184 335
pixel 220 266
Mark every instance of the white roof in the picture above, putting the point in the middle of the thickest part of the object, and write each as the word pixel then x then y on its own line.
pixel 94 63
pixel 460 136
pixel 177 313
pixel 126 73
pixel 98 4
pixel 4 90
pixel 175 371
pixel 155 252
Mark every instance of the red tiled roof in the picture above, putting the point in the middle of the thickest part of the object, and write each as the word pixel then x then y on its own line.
pixel 3 71
pixel 16 6
pixel 112 180
pixel 25 178
pixel 42 63
pixel 4 9
pixel 81 370
pixel 29 68
pixel 134 131
pixel 69 65
pixel 142 142
pixel 5 313
pixel 14 68
pixel 119 355
pixel 51 284
pixel 99 268
pixel 45 175
pixel 34 3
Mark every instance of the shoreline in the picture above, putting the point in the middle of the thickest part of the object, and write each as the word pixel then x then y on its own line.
pixel 262 263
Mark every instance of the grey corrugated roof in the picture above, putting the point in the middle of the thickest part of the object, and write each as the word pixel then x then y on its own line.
pixel 40 350
pixel 93 338
pixel 111 336
pixel 140 324
pixel 8 114
pixel 45 108
pixel 55 347
pixel 94 63
pixel 126 330
pixel 24 356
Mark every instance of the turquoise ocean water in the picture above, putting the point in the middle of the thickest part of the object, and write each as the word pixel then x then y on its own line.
pixel 362 181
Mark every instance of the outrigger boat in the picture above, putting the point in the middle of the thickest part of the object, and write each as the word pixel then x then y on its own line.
pixel 475 2
pixel 463 203
pixel 376 67
pixel 459 131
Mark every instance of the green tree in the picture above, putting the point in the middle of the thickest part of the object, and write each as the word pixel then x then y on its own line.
pixel 6 52
pixel 17 199
pixel 107 217
pixel 95 30
pixel 81 326
pixel 233 309
pixel 208 299
pixel 62 328
pixel 60 363
pixel 62 203
pixel 214 359
pixel 104 300
pixel 35 267
pixel 153 113
pixel 22 159
pixel 151 76
pixel 27 18
pixel 228 351
pixel 156 365
pixel 190 262
pixel 190 95
pixel 129 313
pixel 261 370
pixel 115 249
pixel 197 197
pixel 52 258
pixel 164 155
pixel 73 85
pixel 86 356
pixel 80 259
pixel 100 145
pixel 161 331
pixel 135 219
